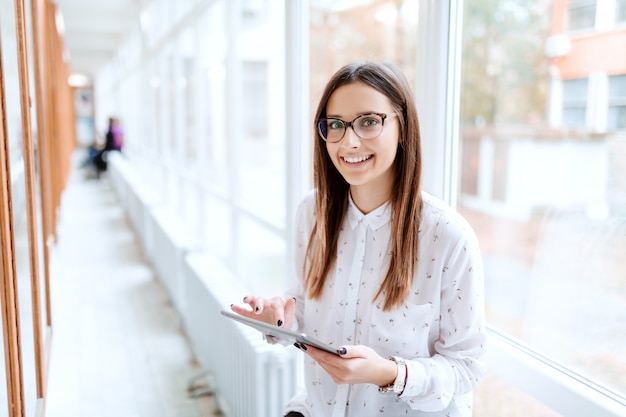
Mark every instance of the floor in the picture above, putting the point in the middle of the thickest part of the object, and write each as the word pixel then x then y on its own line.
pixel 117 349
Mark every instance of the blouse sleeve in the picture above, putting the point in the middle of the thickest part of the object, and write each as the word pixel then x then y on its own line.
pixel 456 366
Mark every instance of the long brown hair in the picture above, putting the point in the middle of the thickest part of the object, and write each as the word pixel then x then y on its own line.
pixel 332 190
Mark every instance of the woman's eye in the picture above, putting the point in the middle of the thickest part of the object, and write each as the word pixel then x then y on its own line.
pixel 335 124
pixel 369 122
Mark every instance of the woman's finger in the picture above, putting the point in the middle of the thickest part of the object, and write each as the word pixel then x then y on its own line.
pixel 278 309
pixel 289 313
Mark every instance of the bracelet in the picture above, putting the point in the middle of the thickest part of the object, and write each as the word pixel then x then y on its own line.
pixel 398 385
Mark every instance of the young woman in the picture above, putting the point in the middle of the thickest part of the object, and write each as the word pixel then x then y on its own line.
pixel 386 273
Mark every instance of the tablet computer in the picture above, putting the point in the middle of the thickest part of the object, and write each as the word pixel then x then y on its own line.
pixel 280 333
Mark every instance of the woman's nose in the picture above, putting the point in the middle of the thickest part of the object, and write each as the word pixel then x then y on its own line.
pixel 350 138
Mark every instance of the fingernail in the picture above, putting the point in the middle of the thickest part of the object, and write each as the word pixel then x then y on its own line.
pixel 280 323
pixel 297 345
pixel 257 308
pixel 303 346
pixel 342 351
pixel 294 299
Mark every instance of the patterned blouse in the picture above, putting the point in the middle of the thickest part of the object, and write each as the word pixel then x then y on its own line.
pixel 439 330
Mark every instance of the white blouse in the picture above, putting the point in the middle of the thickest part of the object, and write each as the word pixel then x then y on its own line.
pixel 439 330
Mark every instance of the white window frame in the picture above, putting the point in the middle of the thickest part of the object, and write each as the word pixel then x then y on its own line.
pixel 438 88
pixel 298 129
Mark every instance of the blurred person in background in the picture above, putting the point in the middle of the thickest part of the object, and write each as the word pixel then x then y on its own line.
pixel 114 141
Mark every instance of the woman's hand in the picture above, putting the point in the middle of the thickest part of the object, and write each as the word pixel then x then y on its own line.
pixel 359 365
pixel 273 311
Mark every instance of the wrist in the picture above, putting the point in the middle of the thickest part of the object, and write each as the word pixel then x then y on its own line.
pixel 387 373
pixel 396 385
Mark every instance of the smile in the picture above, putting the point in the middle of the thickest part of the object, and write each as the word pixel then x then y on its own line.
pixel 356 159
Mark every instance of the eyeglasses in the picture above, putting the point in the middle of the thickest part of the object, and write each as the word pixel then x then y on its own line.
pixel 366 126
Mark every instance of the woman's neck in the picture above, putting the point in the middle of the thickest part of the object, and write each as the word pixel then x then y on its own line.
pixel 368 199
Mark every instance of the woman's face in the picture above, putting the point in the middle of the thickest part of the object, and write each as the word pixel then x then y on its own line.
pixel 366 164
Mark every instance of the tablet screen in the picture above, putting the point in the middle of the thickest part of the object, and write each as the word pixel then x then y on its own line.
pixel 280 333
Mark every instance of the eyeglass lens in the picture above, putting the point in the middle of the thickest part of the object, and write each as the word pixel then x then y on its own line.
pixel 367 126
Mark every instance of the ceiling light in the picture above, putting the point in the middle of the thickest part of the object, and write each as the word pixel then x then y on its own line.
pixel 79 80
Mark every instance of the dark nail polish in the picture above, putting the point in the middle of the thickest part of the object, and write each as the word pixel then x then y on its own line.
pixel 257 308
pixel 342 351
pixel 280 323
pixel 297 345
pixel 303 346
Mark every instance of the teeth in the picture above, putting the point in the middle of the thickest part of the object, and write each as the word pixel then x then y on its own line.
pixel 356 159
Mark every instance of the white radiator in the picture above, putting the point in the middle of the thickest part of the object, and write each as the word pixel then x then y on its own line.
pixel 137 199
pixel 251 377
pixel 170 244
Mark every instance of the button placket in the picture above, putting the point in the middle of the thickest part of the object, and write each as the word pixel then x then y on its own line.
pixel 349 333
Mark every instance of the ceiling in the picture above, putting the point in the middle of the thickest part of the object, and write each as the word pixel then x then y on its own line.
pixel 95 29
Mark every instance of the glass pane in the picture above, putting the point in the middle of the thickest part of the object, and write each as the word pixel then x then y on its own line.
pixel 83 104
pixel 620 11
pixel 575 90
pixel 509 401
pixel 574 117
pixel 343 32
pixel 169 98
pixel 582 15
pixel 617 118
pixel 262 259
pixel 548 203
pixel 211 116
pixel 22 260
pixel 617 102
pixel 187 85
pixel 260 160
pixel 217 220
pixel 617 87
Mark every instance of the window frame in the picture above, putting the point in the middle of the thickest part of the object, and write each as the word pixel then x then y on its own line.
pixel 578 5
pixel 616 101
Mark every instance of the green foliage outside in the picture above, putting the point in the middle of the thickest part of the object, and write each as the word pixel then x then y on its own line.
pixel 505 68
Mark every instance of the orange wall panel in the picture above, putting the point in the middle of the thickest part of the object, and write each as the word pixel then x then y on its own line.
pixel 604 52
pixel 559 16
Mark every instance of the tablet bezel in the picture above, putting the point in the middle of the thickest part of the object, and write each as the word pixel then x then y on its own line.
pixel 280 333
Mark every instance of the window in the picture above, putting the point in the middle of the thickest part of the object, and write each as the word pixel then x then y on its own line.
pixel 550 231
pixel 342 32
pixel 620 11
pixel 575 102
pixel 617 103
pixel 582 14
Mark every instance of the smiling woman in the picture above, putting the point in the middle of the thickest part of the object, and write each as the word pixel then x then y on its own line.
pixel 395 270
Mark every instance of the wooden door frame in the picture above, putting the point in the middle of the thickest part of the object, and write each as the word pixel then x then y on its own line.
pixel 8 285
